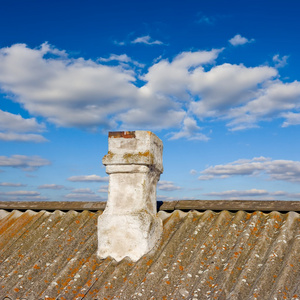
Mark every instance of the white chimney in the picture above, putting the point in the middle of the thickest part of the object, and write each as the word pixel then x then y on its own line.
pixel 129 225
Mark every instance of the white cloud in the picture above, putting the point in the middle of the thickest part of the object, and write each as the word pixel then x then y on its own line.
pixel 123 58
pixel 103 189
pixel 146 40
pixel 15 123
pixel 83 191
pixel 193 172
pixel 227 86
pixel 15 137
pixel 22 193
pixel 286 170
pixel 234 194
pixel 68 92
pixel 11 184
pixel 21 196
pixel 26 163
pixel 52 186
pixel 84 194
pixel 254 193
pixel 165 198
pixel 239 40
pixel 84 197
pixel 177 94
pixel 280 62
pixel 88 178
pixel 269 103
pixel 291 119
pixel 164 185
pixel 190 130
pixel 15 128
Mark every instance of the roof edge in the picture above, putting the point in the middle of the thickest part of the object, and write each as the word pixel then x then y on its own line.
pixel 185 205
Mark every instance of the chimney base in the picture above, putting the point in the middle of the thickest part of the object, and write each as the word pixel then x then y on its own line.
pixel 131 235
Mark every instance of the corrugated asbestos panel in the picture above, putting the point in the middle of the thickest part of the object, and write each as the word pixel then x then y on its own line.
pixel 205 255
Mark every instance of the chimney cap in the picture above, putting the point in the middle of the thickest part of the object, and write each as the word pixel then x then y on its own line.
pixel 134 148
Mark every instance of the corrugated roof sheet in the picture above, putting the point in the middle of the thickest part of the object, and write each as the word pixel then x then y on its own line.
pixel 202 255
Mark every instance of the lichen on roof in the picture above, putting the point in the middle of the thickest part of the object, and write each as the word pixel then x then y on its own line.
pixel 202 255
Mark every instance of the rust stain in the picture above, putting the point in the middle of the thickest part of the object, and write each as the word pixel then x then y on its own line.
pixel 122 134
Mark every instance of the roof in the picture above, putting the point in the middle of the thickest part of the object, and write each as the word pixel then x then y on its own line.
pixel 205 254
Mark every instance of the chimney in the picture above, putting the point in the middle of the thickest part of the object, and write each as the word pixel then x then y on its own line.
pixel 129 225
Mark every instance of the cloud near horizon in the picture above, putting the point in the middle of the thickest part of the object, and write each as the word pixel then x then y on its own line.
pixel 286 170
pixel 253 193
pixel 178 94
pixel 26 163
pixel 88 178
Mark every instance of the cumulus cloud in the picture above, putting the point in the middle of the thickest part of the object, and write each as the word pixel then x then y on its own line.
pixel 26 163
pixel 176 94
pixel 291 119
pixel 88 178
pixel 164 185
pixel 190 130
pixel 286 170
pixel 239 40
pixel 15 128
pixel 146 39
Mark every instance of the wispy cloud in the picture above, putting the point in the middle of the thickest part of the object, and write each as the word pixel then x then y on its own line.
pixel 280 62
pixel 26 163
pixel 52 186
pixel 238 40
pixel 84 194
pixel 286 170
pixel 22 196
pixel 204 19
pixel 11 184
pixel 103 189
pixel 123 58
pixel 258 194
pixel 146 39
pixel 88 178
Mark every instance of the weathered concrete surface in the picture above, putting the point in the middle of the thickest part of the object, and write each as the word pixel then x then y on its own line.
pixel 129 225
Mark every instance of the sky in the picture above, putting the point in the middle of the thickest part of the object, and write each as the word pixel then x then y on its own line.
pixel 217 81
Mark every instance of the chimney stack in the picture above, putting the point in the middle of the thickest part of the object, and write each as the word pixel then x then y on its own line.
pixel 129 225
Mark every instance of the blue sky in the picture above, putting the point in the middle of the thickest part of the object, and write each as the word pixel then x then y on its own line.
pixel 217 81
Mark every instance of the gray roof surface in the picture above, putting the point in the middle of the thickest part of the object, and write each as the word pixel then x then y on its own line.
pixel 202 255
